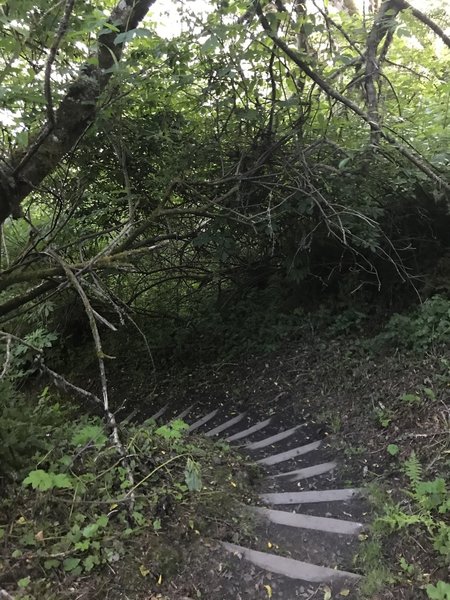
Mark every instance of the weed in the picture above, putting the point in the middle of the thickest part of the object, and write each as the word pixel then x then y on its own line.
pixel 383 416
pixel 426 327
pixel 422 512
pixel 377 573
pixel 440 591
pixel 71 512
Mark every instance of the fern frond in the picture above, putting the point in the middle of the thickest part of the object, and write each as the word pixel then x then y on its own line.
pixel 413 470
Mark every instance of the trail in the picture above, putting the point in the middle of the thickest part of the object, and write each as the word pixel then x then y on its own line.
pixel 308 524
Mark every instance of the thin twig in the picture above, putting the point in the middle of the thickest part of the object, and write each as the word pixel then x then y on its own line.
pixel 3 248
pixel 102 370
pixel 7 358
pixel 66 385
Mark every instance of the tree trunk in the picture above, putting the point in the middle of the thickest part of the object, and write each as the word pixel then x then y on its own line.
pixel 60 134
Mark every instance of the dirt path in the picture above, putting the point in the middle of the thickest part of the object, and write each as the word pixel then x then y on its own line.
pixel 307 525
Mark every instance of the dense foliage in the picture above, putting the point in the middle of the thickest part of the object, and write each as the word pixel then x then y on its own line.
pixel 267 161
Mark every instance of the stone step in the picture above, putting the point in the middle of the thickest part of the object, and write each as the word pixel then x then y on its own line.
pixel 285 498
pixel 290 567
pixel 273 439
pixel 302 521
pixel 305 473
pixel 225 425
pixel 160 412
pixel 203 420
pixel 184 413
pixel 249 431
pixel 274 459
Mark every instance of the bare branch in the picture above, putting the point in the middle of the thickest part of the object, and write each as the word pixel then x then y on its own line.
pixel 101 262
pixel 326 87
pixel 7 357
pixel 111 419
pixel 90 313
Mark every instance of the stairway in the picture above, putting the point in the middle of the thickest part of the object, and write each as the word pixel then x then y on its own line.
pixel 306 531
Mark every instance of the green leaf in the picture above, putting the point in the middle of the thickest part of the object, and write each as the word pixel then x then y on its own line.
pixel 192 475
pixel 139 518
pixel 62 481
pixel 211 44
pixel 43 481
pixel 127 36
pixel 157 524
pixel 90 561
pixel 39 480
pixel 393 449
pixel 70 564
pixel 51 563
pixel 90 530
pixel 90 433
pixel 83 545
pixel 173 430
pixel 344 162
pixel 429 392
pixel 440 591
pixel 102 521
pixel 410 398
pixel 23 583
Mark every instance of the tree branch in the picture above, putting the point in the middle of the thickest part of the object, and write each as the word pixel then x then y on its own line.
pixel 74 115
pixel 326 87
pixel 111 419
pixel 403 5
pixel 380 29
pixel 104 262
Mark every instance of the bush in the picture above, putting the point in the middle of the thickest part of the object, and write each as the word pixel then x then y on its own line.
pixel 426 327
pixel 74 509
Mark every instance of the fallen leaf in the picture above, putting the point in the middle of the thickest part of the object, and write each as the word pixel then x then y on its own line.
pixel 327 593
pixel 39 537
pixel 268 590
pixel 344 592
pixel 144 571
pixel 160 580
pixel 269 544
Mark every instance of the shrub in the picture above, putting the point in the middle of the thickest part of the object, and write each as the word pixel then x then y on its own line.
pixel 27 426
pixel 425 327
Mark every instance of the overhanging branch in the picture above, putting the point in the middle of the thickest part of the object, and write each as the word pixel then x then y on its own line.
pixel 330 91
pixel 64 127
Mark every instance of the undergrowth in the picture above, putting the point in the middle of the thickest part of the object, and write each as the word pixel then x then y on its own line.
pixel 423 328
pixel 413 522
pixel 69 515
pixel 257 323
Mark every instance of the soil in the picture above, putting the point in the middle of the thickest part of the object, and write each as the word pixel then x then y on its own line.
pixel 341 392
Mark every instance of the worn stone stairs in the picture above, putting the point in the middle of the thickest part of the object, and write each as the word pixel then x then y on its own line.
pixel 306 530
